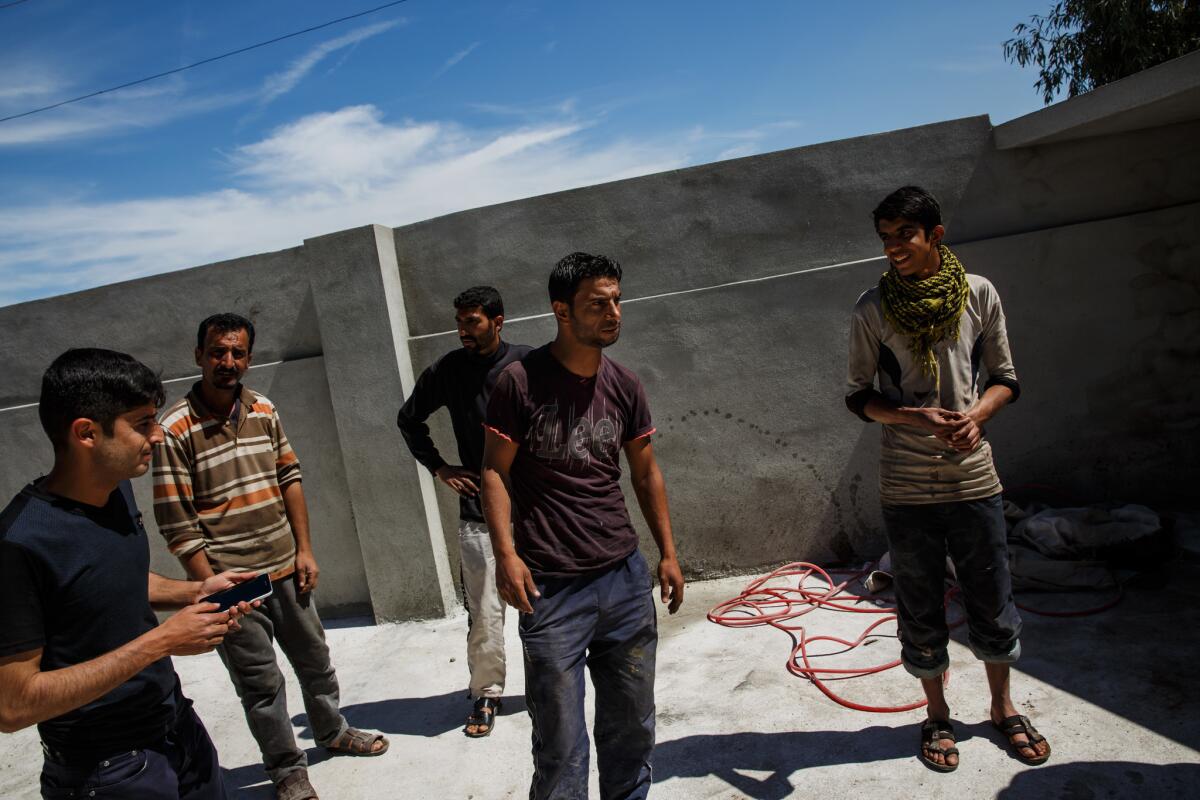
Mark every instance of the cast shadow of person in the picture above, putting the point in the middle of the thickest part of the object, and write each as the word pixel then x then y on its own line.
pixel 781 754
pixel 413 716
pixel 1091 779
pixel 405 716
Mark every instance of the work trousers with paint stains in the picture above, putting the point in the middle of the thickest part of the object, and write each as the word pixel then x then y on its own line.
pixel 607 621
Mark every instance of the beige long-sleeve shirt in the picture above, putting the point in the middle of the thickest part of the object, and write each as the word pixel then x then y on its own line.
pixel 915 466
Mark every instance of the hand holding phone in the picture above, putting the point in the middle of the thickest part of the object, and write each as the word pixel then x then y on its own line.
pixel 246 591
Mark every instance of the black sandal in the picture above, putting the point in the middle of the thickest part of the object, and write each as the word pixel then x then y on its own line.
pixel 933 733
pixel 486 709
pixel 1017 725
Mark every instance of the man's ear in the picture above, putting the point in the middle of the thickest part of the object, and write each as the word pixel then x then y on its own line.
pixel 199 355
pixel 499 321
pixel 562 312
pixel 935 235
pixel 82 433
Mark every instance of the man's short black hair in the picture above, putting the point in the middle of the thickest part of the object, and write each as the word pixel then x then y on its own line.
pixel 910 202
pixel 94 384
pixel 570 271
pixel 225 322
pixel 484 297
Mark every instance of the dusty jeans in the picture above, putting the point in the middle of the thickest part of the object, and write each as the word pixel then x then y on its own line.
pixel 249 655
pixel 181 766
pixel 975 536
pixel 485 610
pixel 607 620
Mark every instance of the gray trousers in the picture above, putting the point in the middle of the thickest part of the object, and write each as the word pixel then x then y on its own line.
pixel 249 655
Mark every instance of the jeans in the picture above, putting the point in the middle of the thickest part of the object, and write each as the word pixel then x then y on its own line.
pixel 485 610
pixel 974 534
pixel 181 766
pixel 605 619
pixel 249 655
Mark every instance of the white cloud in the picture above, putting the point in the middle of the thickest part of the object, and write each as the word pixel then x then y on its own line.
pixel 454 59
pixel 139 107
pixel 283 82
pixel 322 173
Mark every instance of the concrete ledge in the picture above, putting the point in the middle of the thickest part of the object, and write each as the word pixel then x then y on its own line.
pixel 1164 95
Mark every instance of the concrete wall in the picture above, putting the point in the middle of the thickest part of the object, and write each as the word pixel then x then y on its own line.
pixel 739 280
pixel 739 331
pixel 329 379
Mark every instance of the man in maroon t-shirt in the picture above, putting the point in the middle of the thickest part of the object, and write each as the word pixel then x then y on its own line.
pixel 566 553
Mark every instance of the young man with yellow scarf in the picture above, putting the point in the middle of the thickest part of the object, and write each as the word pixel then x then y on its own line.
pixel 921 342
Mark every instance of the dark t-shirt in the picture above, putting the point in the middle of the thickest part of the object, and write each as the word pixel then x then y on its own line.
pixel 73 581
pixel 460 381
pixel 569 514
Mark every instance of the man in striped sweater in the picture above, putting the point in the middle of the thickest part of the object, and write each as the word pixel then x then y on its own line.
pixel 227 495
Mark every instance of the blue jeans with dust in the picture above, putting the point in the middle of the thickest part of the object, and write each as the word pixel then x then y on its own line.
pixel 974 535
pixel 607 621
pixel 181 766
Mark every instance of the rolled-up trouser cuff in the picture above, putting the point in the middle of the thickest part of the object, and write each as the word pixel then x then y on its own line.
pixel 993 656
pixel 925 667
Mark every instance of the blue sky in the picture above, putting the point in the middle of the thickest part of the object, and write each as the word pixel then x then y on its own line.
pixel 431 107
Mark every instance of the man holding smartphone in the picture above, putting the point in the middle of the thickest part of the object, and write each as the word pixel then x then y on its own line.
pixel 227 494
pixel 81 652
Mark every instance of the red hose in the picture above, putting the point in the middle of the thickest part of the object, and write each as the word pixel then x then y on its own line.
pixel 780 605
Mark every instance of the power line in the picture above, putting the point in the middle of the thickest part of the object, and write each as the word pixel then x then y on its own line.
pixel 200 63
pixel 14 3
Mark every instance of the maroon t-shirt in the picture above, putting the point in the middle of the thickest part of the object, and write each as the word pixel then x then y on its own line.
pixel 569 514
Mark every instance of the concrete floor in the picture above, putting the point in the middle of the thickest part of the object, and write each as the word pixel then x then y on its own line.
pixel 1114 693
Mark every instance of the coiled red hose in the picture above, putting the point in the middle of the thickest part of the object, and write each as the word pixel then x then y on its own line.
pixel 780 605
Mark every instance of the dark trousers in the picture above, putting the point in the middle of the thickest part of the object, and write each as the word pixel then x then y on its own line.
pixel 181 766
pixel 607 621
pixel 974 535
pixel 249 656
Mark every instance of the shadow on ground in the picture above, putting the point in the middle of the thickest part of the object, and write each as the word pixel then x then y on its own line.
pixel 1097 779
pixel 413 716
pixel 728 756
pixel 249 782
pixel 1132 660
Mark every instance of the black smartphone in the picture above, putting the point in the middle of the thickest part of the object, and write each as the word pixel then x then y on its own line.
pixel 254 589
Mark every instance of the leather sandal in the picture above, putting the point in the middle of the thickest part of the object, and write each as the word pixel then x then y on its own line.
pixel 486 709
pixel 933 733
pixel 354 742
pixel 1019 724
pixel 295 787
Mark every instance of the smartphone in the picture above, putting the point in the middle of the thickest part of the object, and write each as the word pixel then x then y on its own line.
pixel 254 589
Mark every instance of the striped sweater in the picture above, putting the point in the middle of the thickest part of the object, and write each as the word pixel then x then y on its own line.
pixel 218 484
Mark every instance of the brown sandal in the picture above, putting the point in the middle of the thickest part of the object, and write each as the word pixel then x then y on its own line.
pixel 933 733
pixel 1017 725
pixel 354 742
pixel 295 787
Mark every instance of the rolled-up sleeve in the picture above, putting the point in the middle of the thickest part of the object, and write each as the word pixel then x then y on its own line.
pixel 862 362
pixel 287 463
pixel 996 356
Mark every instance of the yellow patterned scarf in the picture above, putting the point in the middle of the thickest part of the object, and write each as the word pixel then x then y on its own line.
pixel 926 311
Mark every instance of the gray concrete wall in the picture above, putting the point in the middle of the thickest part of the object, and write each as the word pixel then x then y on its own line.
pixel 155 320
pixel 739 280
pixel 744 361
